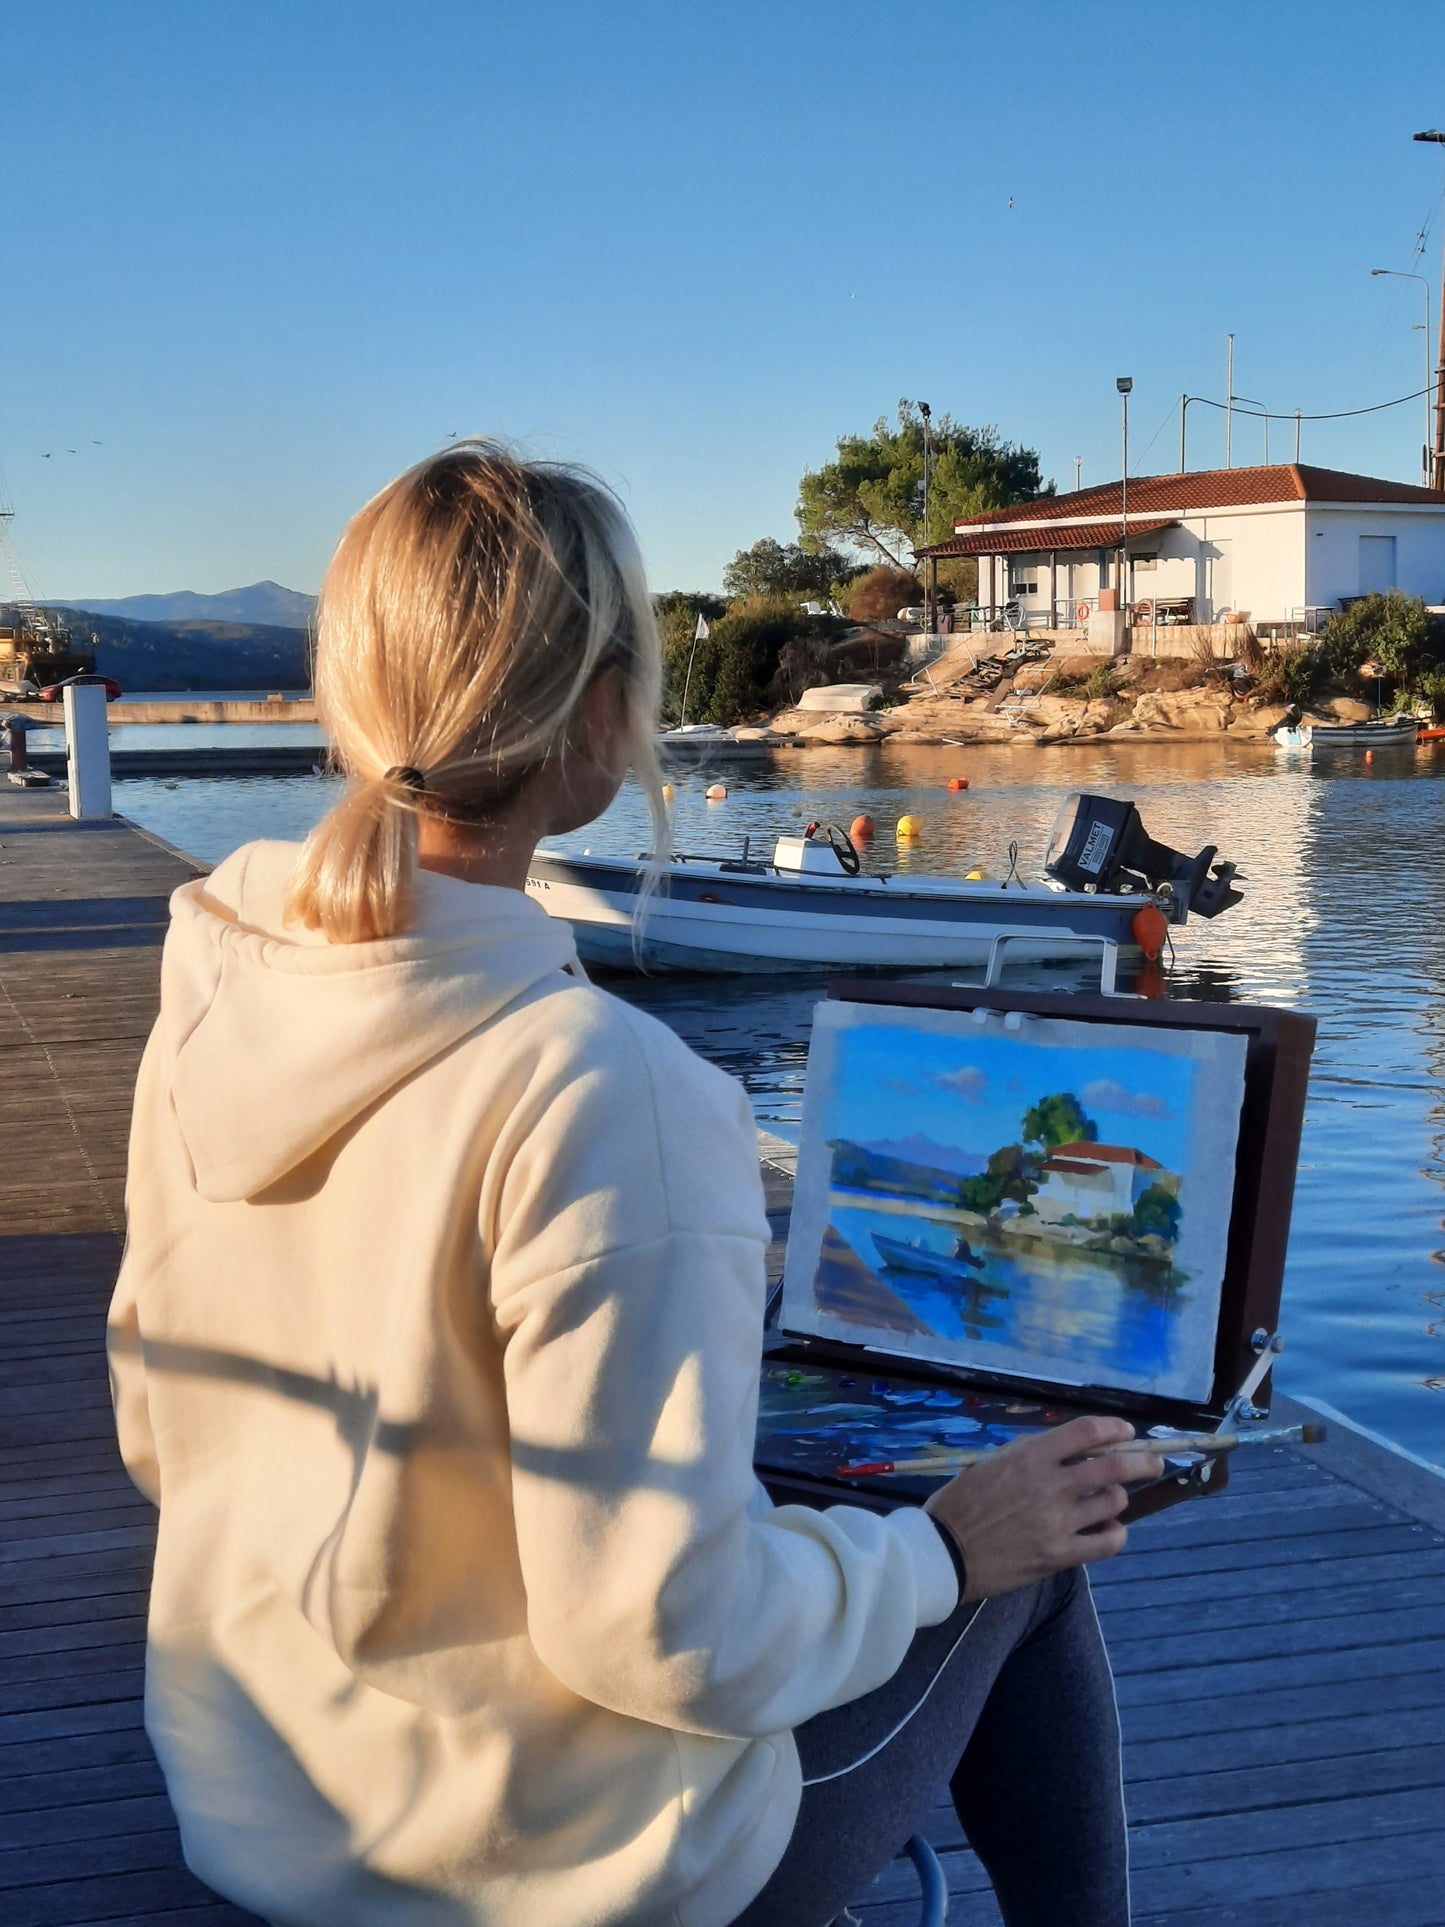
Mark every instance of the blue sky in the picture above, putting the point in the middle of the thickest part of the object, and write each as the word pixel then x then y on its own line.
pixel 892 1083
pixel 258 258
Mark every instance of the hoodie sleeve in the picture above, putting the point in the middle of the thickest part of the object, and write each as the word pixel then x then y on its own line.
pixel 627 1282
pixel 128 1394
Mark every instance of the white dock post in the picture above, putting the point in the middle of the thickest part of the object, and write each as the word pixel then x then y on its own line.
pixel 87 749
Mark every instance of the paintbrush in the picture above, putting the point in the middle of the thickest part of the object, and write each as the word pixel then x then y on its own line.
pixel 1177 1445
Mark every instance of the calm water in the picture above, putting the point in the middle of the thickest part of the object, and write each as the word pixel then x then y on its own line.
pixel 1342 918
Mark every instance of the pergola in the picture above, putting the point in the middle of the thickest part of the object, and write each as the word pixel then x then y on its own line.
pixel 1103 538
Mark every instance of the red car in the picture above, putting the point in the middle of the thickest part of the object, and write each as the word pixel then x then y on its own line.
pixel 55 692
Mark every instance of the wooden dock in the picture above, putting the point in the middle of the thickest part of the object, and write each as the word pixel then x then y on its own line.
pixel 1280 1651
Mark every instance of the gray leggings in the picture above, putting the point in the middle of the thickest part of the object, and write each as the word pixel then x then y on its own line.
pixel 1019 1722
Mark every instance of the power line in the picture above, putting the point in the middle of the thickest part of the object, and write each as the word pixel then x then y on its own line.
pixel 1336 415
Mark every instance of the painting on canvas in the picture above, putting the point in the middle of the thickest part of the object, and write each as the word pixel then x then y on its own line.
pixel 1020 1194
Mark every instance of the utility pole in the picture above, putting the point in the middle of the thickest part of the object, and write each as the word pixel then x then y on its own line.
pixel 1437 456
pixel 1399 274
pixel 1124 385
pixel 930 579
pixel 1229 403
pixel 1183 421
pixel 1078 472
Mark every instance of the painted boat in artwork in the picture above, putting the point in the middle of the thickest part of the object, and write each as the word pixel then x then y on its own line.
pixel 902 1255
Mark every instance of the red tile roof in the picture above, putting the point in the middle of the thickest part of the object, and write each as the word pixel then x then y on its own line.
pixel 1212 488
pixel 1086 535
pixel 1081 1153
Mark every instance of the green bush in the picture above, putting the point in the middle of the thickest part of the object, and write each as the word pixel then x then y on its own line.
pixel 1430 689
pixel 1100 682
pixel 1299 673
pixel 1392 629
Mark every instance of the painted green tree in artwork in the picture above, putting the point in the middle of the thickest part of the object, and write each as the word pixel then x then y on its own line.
pixel 1057 1120
pixel 1157 1213
pixel 1010 1175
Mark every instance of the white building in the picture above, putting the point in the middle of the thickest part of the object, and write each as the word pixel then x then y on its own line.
pixel 1266 543
pixel 1087 1181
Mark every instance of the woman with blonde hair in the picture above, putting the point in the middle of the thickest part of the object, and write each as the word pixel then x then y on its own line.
pixel 437 1338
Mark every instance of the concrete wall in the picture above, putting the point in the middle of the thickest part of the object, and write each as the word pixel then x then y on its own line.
pixel 1333 565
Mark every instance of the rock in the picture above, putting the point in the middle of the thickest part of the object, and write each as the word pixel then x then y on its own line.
pixel 1347 709
pixel 1258 722
pixel 850 698
pixel 1033 676
pixel 1187 709
pixel 838 730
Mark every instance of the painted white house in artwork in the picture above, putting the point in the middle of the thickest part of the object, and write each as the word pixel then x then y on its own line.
pixel 1087 1181
pixel 1265 543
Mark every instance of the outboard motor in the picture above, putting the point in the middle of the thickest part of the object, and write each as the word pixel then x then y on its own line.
pixel 1099 844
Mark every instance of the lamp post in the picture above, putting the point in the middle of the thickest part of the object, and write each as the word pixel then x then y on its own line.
pixel 1265 413
pixel 1437 455
pixel 1399 274
pixel 930 577
pixel 1125 385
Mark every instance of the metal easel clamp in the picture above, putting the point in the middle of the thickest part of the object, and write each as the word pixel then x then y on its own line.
pixel 1242 1408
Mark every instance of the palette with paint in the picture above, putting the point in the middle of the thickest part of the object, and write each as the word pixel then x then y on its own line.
pixel 1010 1210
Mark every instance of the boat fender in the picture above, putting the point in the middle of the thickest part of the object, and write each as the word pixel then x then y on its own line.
pixel 958 782
pixel 669 794
pixel 862 829
pixel 908 828
pixel 717 792
pixel 1151 929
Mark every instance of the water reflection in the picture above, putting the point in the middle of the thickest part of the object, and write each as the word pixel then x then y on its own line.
pixel 1342 917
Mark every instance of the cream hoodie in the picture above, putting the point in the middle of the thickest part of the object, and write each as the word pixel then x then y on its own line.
pixel 437 1344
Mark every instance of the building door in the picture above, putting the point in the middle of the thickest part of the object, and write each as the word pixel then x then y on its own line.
pixel 1221 579
pixel 1377 564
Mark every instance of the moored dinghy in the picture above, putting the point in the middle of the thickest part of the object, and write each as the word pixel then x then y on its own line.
pixel 812 905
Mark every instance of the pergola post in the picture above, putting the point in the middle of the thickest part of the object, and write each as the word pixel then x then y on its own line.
pixel 1053 588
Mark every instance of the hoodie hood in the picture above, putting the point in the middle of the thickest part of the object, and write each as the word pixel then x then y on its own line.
pixel 279 1039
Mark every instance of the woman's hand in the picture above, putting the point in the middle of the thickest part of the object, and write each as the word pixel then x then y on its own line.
pixel 1039 1505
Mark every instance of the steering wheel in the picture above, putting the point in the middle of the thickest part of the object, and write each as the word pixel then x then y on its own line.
pixel 840 842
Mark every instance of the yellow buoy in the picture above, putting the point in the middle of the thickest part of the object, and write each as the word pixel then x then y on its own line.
pixel 717 792
pixel 975 876
pixel 669 794
pixel 909 827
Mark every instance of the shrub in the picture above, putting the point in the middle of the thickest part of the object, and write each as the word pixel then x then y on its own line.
pixel 1301 672
pixel 1430 688
pixel 1392 629
pixel 1100 682
pixel 881 593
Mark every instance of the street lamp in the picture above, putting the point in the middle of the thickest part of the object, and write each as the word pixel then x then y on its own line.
pixel 930 579
pixel 1125 386
pixel 1437 453
pixel 1399 274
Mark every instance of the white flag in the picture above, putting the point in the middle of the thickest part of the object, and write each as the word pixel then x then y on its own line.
pixel 702 632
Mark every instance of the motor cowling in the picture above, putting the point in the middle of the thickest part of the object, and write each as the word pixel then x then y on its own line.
pixel 1099 844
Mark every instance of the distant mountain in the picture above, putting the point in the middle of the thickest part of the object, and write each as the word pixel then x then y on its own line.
pixel 264 602
pixel 864 1167
pixel 918 1149
pixel 193 655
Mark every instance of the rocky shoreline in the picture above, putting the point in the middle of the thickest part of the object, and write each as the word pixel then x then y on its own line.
pixel 1031 712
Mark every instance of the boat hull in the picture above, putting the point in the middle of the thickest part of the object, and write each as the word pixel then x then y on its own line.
pixel 705 917
pixel 1327 738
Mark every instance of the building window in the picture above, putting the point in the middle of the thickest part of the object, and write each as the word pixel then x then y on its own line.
pixel 1023 579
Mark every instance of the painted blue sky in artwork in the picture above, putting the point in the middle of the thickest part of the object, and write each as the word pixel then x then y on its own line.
pixel 893 1083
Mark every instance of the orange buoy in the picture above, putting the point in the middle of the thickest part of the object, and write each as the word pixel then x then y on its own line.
pixel 908 828
pixel 1150 927
pixel 717 792
pixel 958 782
pixel 669 794
pixel 1369 756
pixel 861 829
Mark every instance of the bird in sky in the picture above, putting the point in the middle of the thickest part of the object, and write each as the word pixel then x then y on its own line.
pixel 1010 200
pixel 95 444
pixel 46 456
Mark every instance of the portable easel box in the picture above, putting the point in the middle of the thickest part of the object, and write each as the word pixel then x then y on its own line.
pixel 1013 1209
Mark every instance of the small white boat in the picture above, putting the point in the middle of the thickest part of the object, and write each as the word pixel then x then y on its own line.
pixel 810 904
pixel 1392 732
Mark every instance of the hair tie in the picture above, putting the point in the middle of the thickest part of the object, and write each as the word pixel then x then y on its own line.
pixel 405 773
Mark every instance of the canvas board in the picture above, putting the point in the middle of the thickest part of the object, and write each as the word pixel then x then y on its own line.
pixel 1019 1194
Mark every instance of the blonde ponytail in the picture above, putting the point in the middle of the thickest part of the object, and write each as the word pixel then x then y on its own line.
pixel 466 609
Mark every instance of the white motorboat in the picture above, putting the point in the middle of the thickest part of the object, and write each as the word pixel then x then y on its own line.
pixel 811 904
pixel 1386 732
